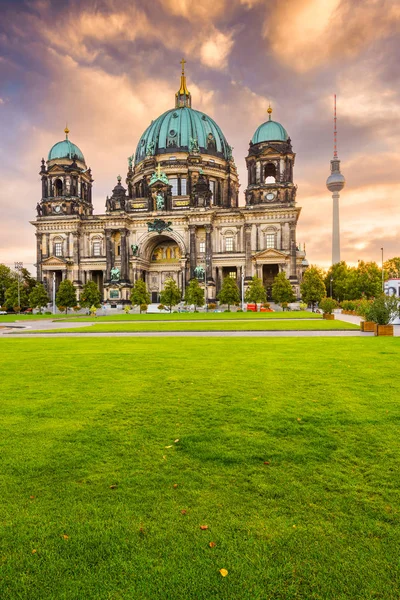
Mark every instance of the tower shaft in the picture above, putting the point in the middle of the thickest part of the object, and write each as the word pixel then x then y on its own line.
pixel 335 229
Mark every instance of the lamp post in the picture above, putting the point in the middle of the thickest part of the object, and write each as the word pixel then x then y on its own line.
pixel 383 282
pixel 331 285
pixel 54 292
pixel 18 267
pixel 242 286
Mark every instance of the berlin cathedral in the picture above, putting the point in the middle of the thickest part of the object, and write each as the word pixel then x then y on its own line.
pixel 177 214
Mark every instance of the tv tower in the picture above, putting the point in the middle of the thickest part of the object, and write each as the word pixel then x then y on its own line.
pixel 335 183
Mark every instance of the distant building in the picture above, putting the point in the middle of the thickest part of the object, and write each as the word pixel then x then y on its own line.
pixel 178 214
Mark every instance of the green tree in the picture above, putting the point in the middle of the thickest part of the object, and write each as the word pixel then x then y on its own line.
pixel 282 291
pixel 11 297
pixel 66 296
pixel 364 281
pixel 171 294
pixel 139 294
pixel 312 287
pixel 91 295
pixel 391 267
pixel 339 273
pixel 256 291
pixel 6 279
pixel 229 293
pixel 38 297
pixel 28 281
pixel 194 294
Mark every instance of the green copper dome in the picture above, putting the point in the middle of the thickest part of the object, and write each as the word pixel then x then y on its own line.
pixel 183 129
pixel 270 131
pixel 66 149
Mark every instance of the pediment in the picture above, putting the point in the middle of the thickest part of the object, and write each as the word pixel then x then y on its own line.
pixel 54 261
pixel 271 254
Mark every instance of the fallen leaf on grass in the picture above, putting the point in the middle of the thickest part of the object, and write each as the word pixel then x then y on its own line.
pixel 32 497
pixel 212 544
pixel 203 527
pixel 66 537
pixel 266 462
pixel 183 512
pixel 223 572
pixel 175 485
pixel 168 446
pixel 299 420
pixel 113 486
pixel 141 532
pixel 176 441
pixel 34 551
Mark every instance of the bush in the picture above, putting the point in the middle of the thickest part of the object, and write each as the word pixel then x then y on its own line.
pixel 239 310
pixel 383 310
pixel 47 312
pixel 143 307
pixel 161 307
pixel 127 308
pixel 267 305
pixel 303 306
pixel 362 307
pixel 227 310
pixel 212 306
pixel 328 305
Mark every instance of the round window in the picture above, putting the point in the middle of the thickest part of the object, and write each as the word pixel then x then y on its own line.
pixel 172 132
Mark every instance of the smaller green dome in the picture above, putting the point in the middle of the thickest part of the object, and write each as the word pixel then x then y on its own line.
pixel 270 131
pixel 66 149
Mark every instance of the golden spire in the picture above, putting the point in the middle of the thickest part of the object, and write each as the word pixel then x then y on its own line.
pixel 66 131
pixel 269 111
pixel 183 89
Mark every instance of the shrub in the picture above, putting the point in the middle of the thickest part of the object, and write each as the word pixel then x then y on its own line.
pixel 127 308
pixel 212 306
pixel 161 307
pixel 227 310
pixel 239 310
pixel 362 307
pixel 328 305
pixel 143 307
pixel 267 305
pixel 383 310
pixel 303 306
pixel 47 312
pixel 284 305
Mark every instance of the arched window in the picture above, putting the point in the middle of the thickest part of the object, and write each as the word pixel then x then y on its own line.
pixel 58 249
pixel 271 238
pixel 270 173
pixel 58 187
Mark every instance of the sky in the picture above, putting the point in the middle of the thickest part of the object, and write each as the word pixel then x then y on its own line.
pixel 108 67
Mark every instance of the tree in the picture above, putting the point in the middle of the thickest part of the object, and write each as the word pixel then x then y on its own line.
pixel 229 293
pixel 282 291
pixel 91 295
pixel 391 267
pixel 312 287
pixel 11 297
pixel 139 294
pixel 38 297
pixel 383 309
pixel 364 280
pixel 256 291
pixel 339 274
pixel 6 279
pixel 194 294
pixel 28 281
pixel 66 296
pixel 171 294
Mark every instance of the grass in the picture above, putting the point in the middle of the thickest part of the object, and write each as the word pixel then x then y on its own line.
pixel 89 463
pixel 279 325
pixel 12 318
pixel 203 316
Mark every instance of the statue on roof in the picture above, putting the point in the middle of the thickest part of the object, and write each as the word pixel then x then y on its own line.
pixel 194 145
pixel 150 149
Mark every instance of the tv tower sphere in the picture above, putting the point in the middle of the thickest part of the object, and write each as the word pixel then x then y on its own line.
pixel 335 181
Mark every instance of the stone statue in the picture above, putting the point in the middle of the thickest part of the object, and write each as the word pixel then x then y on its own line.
pixel 194 145
pixel 115 274
pixel 150 149
pixel 199 272
pixel 108 203
pixel 160 201
pixel 229 152
pixel 39 210
pixel 130 161
pixel 135 249
pixel 158 225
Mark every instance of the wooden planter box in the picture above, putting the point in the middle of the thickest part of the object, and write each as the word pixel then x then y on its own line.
pixel 328 316
pixel 368 326
pixel 384 330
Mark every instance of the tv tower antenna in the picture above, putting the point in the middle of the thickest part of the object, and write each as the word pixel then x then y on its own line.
pixel 335 183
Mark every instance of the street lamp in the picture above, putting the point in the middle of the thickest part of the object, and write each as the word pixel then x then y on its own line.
pixel 18 267
pixel 383 283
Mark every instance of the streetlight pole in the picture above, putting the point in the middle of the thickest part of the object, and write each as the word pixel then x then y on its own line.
pixel 383 282
pixel 18 267
pixel 54 292
pixel 242 286
pixel 331 285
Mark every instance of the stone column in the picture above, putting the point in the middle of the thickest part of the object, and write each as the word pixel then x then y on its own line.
pixel 47 244
pixel 124 262
pixel 247 249
pixel 209 252
pixel 76 258
pixel 108 254
pixel 192 249
pixel 39 257
pixel 293 274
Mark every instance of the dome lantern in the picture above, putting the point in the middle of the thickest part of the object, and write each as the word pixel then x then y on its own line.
pixel 66 149
pixel 183 96
pixel 270 131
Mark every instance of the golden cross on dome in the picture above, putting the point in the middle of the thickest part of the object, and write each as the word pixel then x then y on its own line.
pixel 158 170
pixel 183 61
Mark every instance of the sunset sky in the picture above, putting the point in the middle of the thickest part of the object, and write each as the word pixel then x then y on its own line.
pixel 108 67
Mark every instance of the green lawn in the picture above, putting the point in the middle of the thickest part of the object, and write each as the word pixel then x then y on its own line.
pixel 279 325
pixel 288 451
pixel 203 316
pixel 15 318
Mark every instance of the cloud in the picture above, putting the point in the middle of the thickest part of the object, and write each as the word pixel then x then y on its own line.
pixel 214 52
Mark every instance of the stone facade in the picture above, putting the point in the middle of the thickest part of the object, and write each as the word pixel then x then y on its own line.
pixel 179 216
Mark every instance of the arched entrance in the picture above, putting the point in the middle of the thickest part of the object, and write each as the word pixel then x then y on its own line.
pixel 165 258
pixel 269 273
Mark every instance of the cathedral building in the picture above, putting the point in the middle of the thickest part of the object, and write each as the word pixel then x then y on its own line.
pixel 177 214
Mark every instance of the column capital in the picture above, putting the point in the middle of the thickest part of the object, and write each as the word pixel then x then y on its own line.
pixel 208 228
pixel 192 228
